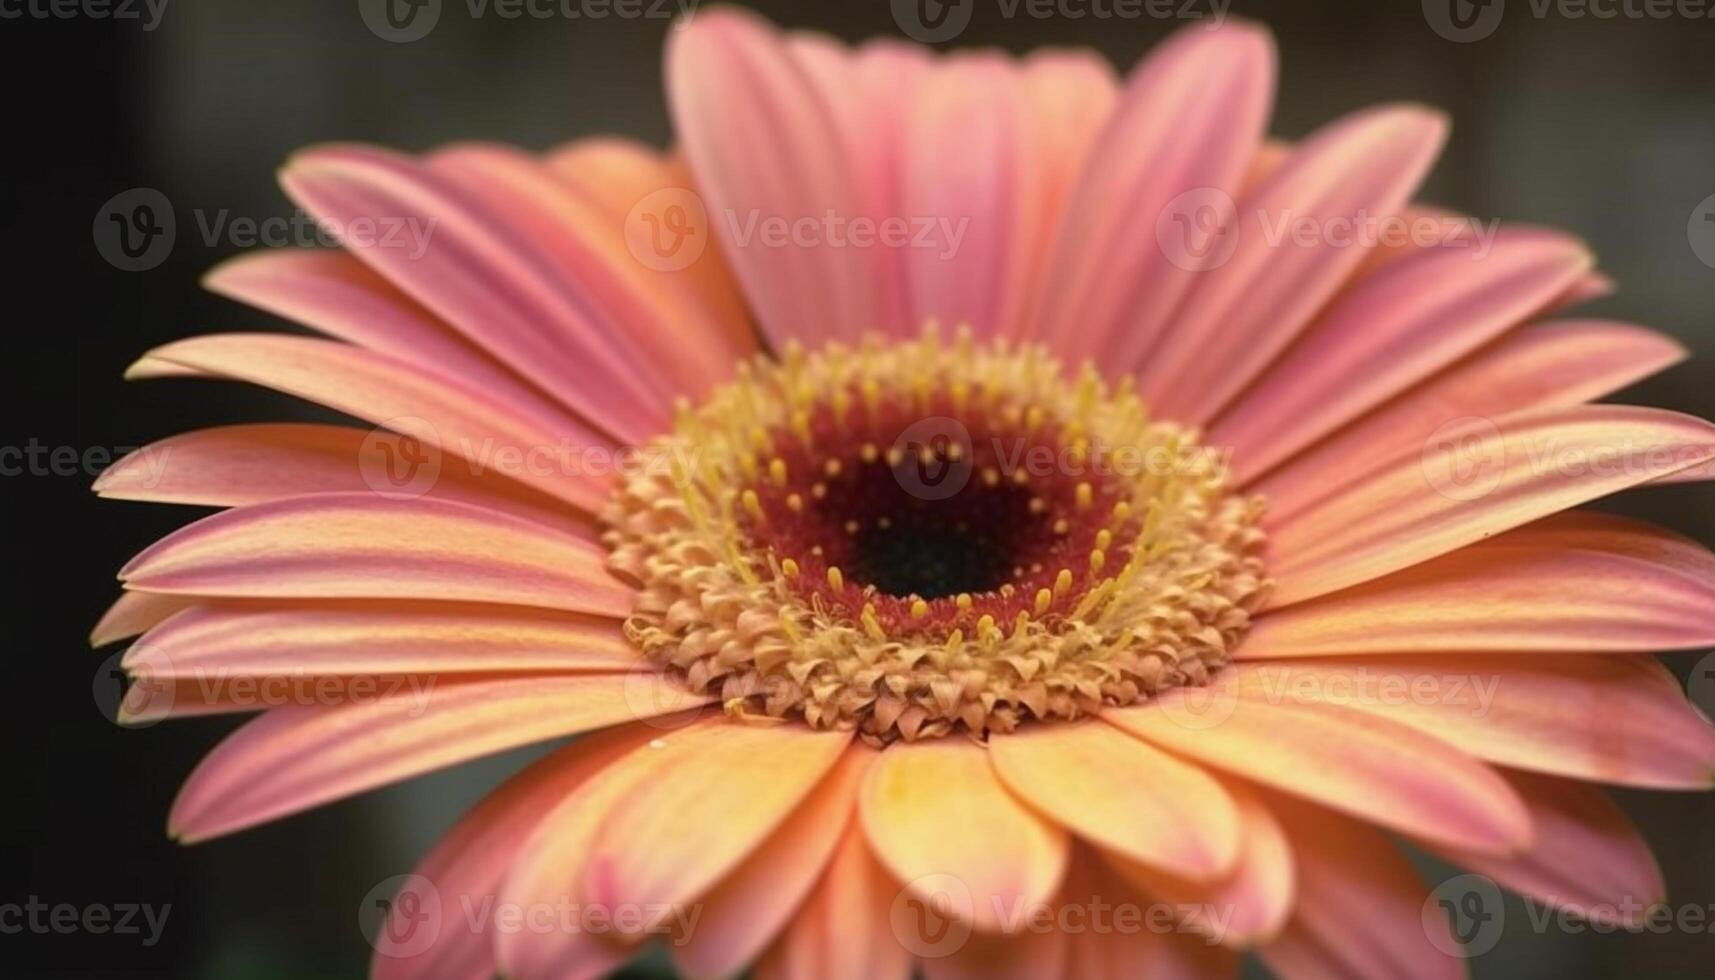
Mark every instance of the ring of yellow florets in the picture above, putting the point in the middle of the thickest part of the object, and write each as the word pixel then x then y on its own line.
pixel 905 538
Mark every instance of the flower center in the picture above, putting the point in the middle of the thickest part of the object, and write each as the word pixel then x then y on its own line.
pixel 905 538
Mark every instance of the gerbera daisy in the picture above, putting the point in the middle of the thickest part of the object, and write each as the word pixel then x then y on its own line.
pixel 1141 544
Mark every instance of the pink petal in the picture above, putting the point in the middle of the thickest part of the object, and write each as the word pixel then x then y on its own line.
pixel 1360 910
pixel 1253 305
pixel 377 639
pixel 1555 364
pixel 1587 858
pixel 580 239
pixel 1573 582
pixel 1370 767
pixel 734 88
pixel 1604 719
pixel 960 169
pixel 468 866
pixel 939 819
pixel 1123 794
pixel 1191 116
pixel 1390 331
pixel 484 278
pixel 446 415
pixel 298 757
pixel 1476 479
pixel 133 613
pixel 762 896
pixel 247 464
pixel 1026 955
pixel 334 292
pixel 346 545
pixel 1136 949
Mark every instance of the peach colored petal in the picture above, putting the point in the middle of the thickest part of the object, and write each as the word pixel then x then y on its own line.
pixel 1588 857
pixel 1124 794
pixel 960 167
pixel 377 639
pixel 581 240
pixel 332 291
pixel 461 422
pixel 753 904
pixel 484 278
pixel 133 613
pixel 468 866
pixel 1028 955
pixel 1554 364
pixel 247 464
pixel 842 931
pixel 733 87
pixel 1473 480
pixel 1134 946
pixel 1254 304
pixel 352 545
pixel 705 806
pixel 1248 906
pixel 1576 582
pixel 301 756
pixel 937 815
pixel 619 174
pixel 1354 761
pixel 1190 116
pixel 1390 331
pixel 1606 719
pixel 549 864
pixel 1360 911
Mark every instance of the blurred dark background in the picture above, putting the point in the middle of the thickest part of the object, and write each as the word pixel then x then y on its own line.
pixel 1604 126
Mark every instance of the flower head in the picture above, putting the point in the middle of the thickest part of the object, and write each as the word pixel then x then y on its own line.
pixel 961 495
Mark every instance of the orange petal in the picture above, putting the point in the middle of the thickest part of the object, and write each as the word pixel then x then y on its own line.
pixel 1606 719
pixel 1473 481
pixel 706 804
pixel 468 866
pixel 1124 794
pixel 843 931
pixel 1248 906
pixel 362 545
pixel 752 904
pixel 297 757
pixel 1574 582
pixel 1373 768
pixel 943 824
pixel 135 612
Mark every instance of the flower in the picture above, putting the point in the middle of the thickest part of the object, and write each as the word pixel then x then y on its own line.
pixel 1117 529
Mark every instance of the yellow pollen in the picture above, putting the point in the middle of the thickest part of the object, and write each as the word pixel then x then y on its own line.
pixel 836 581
